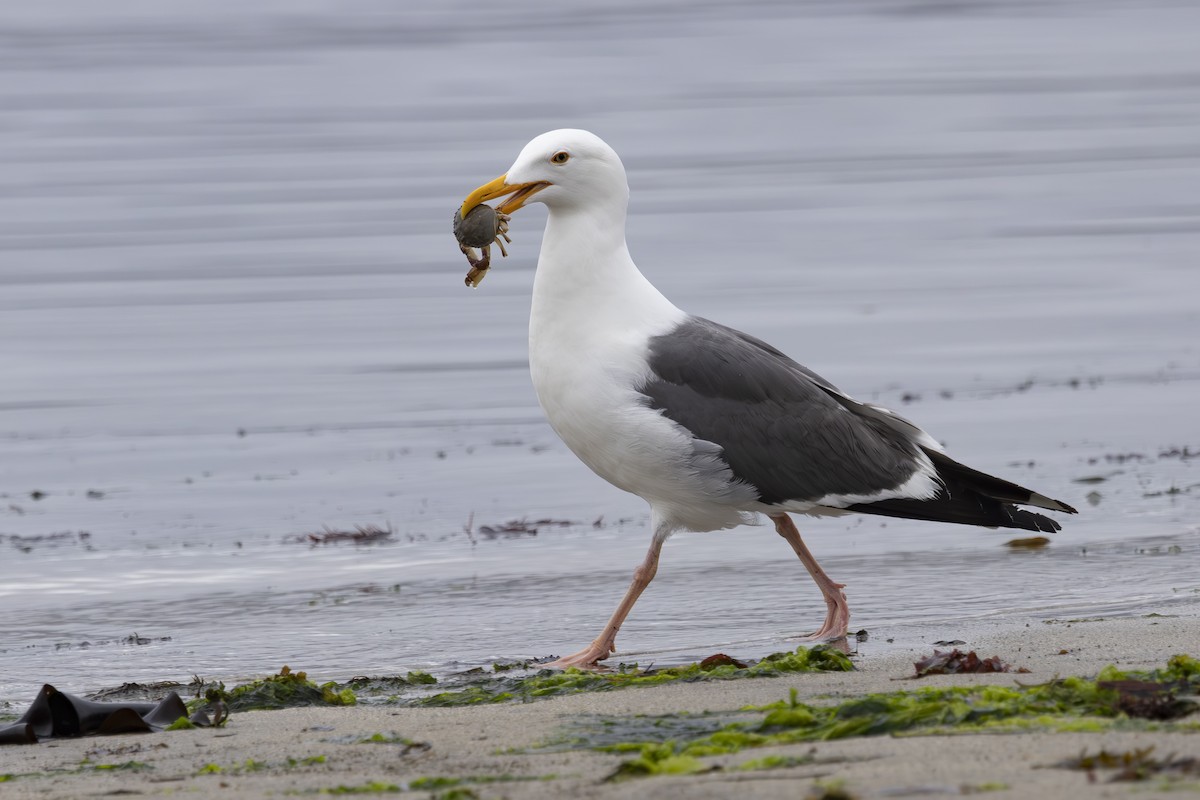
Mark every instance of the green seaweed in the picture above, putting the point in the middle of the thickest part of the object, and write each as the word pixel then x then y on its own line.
pixel 417 677
pixel 457 793
pixel 1068 704
pixel 430 784
pixel 182 724
pixel 775 762
pixel 470 696
pixel 658 759
pixel 374 787
pixel 443 782
pixel 552 683
pixel 253 765
pixel 392 738
pixel 1183 667
pixel 132 766
pixel 474 687
pixel 209 698
pixel 307 761
pixel 285 690
pixel 337 697
pixel 628 733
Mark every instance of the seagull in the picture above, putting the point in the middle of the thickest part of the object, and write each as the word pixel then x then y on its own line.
pixel 709 425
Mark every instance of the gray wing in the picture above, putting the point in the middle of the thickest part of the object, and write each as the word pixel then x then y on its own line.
pixel 793 435
pixel 784 430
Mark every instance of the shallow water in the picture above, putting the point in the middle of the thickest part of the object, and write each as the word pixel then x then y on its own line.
pixel 232 314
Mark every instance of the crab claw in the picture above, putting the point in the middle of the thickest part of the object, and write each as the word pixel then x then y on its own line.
pixel 479 266
pixel 482 259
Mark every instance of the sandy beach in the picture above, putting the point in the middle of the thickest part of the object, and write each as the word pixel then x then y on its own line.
pixel 233 325
pixel 501 750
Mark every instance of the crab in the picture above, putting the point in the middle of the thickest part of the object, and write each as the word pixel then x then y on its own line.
pixel 483 227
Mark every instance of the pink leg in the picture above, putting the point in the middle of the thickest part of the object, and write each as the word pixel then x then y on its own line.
pixel 606 643
pixel 837 620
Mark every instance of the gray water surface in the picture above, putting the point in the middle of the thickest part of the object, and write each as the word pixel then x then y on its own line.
pixel 232 314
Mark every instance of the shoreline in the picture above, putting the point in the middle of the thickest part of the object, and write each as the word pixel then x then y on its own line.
pixel 315 749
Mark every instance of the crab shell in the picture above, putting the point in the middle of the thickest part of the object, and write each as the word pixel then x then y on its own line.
pixel 479 229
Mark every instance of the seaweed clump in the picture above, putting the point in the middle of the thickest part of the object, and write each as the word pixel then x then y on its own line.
pixel 551 683
pixel 950 662
pixel 659 759
pixel 286 690
pixel 476 686
pixel 1076 704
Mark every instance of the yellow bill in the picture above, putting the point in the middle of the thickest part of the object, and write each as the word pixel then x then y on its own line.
pixel 500 187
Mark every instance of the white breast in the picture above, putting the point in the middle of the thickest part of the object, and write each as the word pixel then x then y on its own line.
pixel 592 317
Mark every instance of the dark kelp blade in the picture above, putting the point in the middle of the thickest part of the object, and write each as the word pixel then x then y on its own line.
pixel 18 733
pixel 55 714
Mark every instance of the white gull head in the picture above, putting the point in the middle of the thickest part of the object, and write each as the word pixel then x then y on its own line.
pixel 581 171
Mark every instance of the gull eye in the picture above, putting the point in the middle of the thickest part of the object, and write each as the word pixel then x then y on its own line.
pixel 560 157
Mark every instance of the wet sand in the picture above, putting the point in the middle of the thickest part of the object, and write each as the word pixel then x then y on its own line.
pixel 489 741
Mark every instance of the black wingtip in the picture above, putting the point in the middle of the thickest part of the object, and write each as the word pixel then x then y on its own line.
pixel 962 476
pixel 963 508
pixel 1042 501
pixel 1033 522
